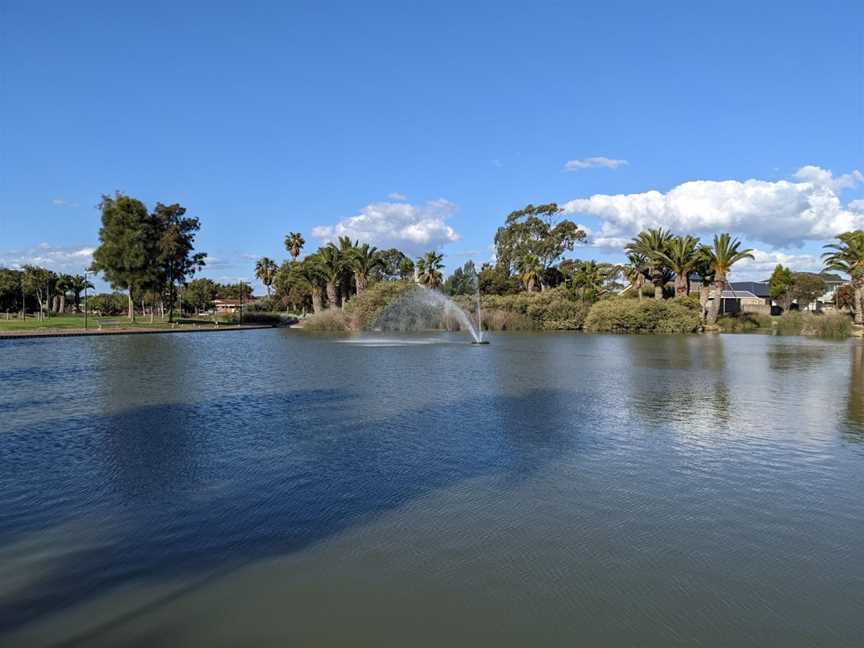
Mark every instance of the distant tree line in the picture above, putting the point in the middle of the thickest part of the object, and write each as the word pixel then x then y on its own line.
pixel 39 290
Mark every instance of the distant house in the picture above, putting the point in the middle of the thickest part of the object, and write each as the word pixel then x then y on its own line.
pixel 757 288
pixel 825 301
pixel 736 301
pixel 224 306
pixel 739 296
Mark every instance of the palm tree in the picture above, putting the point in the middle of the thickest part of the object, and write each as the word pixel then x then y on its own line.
pixel 721 257
pixel 331 264
pixel 635 271
pixel 652 244
pixel 63 285
pixel 703 268
pixel 681 256
pixel 310 271
pixel 363 259
pixel 590 277
pixel 848 256
pixel 346 282
pixel 265 270
pixel 429 269
pixel 77 285
pixel 530 270
pixel 294 242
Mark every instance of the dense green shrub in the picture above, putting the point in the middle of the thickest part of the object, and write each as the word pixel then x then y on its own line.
pixel 274 319
pixel 364 309
pixel 555 310
pixel 643 316
pixel 263 305
pixel 108 304
pixel 551 310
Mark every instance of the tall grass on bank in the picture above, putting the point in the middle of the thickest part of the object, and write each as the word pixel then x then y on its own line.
pixel 744 322
pixel 330 320
pixel 826 325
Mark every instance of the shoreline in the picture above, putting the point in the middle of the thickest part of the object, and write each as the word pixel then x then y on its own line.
pixel 81 332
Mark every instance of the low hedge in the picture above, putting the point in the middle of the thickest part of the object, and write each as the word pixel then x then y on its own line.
pixel 618 315
pixel 554 309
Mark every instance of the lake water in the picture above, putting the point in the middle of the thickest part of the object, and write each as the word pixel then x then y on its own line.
pixel 279 488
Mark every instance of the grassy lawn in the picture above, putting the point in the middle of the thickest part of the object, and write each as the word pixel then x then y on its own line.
pixel 72 321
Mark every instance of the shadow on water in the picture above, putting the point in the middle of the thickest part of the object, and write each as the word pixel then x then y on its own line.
pixel 191 490
pixel 855 401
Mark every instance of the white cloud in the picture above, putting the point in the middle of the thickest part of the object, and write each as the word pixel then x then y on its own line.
pixel 763 265
pixel 820 177
pixel 782 213
pixel 857 205
pixel 70 260
pixel 60 202
pixel 397 196
pixel 412 228
pixel 594 163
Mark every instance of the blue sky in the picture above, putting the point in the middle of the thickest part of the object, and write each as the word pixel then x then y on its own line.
pixel 424 124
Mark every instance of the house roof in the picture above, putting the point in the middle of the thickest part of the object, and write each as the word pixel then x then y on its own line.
pixel 739 294
pixel 756 288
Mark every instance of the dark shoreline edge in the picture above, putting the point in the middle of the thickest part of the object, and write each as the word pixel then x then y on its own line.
pixel 9 335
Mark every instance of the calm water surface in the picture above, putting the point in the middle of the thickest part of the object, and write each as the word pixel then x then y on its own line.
pixel 278 488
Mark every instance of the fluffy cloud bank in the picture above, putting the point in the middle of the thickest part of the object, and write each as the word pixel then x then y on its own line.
pixel 594 163
pixel 70 260
pixel 412 228
pixel 782 214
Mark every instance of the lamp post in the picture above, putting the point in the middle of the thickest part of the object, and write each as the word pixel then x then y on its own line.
pixel 240 320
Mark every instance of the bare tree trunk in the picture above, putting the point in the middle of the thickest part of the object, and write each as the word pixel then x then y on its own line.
pixel 316 299
pixel 638 283
pixel 714 310
pixel 332 294
pixel 62 308
pixel 680 286
pixel 703 300
pixel 657 280
pixel 859 302
pixel 131 307
pixel 360 280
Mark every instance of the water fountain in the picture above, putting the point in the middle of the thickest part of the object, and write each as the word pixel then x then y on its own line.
pixel 479 319
pixel 421 308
